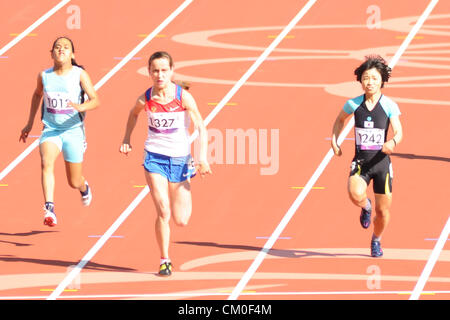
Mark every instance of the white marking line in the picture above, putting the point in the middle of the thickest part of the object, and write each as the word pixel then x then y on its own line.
pixel 431 262
pixel 207 294
pixel 13 42
pixel 75 271
pixel 19 159
pixel 106 77
pixel 298 201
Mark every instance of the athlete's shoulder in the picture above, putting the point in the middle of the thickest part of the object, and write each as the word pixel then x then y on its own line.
pixel 389 106
pixel 352 104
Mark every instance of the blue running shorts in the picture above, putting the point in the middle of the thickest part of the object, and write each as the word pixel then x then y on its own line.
pixel 72 142
pixel 175 169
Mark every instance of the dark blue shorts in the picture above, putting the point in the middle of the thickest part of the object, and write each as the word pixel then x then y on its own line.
pixel 175 169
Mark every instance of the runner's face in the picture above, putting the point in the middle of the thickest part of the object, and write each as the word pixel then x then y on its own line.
pixel 371 81
pixel 62 51
pixel 161 72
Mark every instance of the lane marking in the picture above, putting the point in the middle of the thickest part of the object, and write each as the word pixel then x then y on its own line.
pixel 143 35
pixel 298 201
pixel 77 269
pixel 431 262
pixel 279 238
pixel 28 30
pixel 105 78
pixel 314 188
pixel 65 290
pixel 121 58
pixel 139 186
pixel 271 36
pixel 28 35
pixel 404 37
pixel 69 278
pixel 99 236
pixel 227 104
pixel 222 293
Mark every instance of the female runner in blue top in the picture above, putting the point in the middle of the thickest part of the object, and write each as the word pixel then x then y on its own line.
pixel 373 113
pixel 62 89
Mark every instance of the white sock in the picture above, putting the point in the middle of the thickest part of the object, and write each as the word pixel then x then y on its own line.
pixel 164 260
pixel 375 238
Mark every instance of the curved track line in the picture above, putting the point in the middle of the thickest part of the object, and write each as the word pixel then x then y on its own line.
pixel 298 201
pixel 75 271
pixel 16 40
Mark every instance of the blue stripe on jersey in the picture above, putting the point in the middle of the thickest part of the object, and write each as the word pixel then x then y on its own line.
pixel 352 104
pixel 177 93
pixel 388 105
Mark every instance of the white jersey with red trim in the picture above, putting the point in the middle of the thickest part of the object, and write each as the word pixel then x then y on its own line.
pixel 168 126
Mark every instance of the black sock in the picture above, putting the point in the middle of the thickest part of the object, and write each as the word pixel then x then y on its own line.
pixel 49 206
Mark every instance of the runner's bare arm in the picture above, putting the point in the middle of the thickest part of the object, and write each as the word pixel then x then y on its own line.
pixel 93 101
pixel 337 129
pixel 35 102
pixel 131 123
pixel 389 146
pixel 191 106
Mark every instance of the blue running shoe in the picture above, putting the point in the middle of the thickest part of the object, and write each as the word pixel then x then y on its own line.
pixel 364 218
pixel 375 249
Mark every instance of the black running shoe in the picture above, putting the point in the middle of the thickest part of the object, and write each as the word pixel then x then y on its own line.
pixel 375 249
pixel 364 218
pixel 165 269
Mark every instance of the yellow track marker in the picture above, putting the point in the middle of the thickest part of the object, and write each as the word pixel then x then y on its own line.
pixel 28 35
pixel 65 290
pixel 227 104
pixel 138 186
pixel 3 185
pixel 404 37
pixel 315 188
pixel 422 293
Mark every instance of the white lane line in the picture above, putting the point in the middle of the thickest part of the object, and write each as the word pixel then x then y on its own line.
pixel 219 294
pixel 19 159
pixel 13 42
pixel 298 201
pixel 105 78
pixel 75 271
pixel 431 262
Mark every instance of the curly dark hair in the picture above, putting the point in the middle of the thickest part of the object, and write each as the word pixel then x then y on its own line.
pixel 374 61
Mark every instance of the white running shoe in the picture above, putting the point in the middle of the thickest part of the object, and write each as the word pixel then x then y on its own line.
pixel 86 200
pixel 50 218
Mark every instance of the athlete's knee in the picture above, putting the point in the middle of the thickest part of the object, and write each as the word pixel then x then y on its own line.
pixel 75 182
pixel 163 210
pixel 357 195
pixel 382 212
pixel 182 221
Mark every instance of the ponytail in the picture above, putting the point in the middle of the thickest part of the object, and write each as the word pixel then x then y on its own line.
pixel 74 63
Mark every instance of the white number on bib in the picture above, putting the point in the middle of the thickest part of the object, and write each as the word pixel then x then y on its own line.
pixel 369 139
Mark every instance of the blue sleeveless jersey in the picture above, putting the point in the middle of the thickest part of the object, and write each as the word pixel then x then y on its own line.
pixel 58 91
